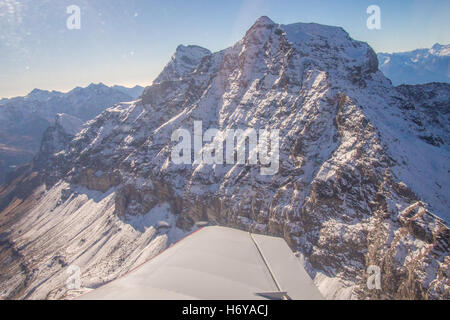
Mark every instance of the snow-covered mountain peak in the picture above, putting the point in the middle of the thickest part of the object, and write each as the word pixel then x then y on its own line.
pixel 264 20
pixel 42 95
pixel 99 85
pixel 184 60
pixel 259 31
pixel 317 30
pixel 333 44
pixel 92 88
pixel 303 46
pixel 440 50
pixel 37 92
pixel 190 50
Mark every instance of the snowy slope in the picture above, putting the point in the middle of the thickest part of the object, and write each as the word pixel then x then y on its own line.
pixel 417 66
pixel 67 233
pixel 360 181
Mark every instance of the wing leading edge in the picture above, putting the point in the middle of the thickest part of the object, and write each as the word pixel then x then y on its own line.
pixel 216 263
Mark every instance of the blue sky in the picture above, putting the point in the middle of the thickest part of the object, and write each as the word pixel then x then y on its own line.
pixel 128 42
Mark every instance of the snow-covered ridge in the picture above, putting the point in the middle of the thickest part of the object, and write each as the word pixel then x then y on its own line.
pixel 440 50
pixel 418 66
pixel 184 60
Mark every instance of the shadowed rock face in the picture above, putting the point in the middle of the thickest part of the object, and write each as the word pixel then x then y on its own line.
pixel 348 193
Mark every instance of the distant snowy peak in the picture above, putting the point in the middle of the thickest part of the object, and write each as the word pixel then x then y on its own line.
pixel 84 103
pixel 132 92
pixel 93 88
pixel 298 32
pixel 42 95
pixel 321 44
pixel 417 66
pixel 440 50
pixel 184 61
pixel 264 20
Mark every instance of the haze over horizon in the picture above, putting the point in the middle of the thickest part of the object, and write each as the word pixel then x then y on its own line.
pixel 128 42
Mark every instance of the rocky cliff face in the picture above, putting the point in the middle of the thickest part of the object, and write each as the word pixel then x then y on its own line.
pixel 357 184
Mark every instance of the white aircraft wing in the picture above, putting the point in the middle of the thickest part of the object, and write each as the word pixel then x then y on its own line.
pixel 216 263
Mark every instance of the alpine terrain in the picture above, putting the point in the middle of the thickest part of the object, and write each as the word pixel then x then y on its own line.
pixel 363 173
pixel 24 119
pixel 418 66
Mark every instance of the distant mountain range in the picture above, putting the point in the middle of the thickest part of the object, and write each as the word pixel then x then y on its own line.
pixel 418 66
pixel 24 119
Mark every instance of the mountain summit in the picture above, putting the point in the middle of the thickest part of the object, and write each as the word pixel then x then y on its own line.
pixel 362 178
pixel 184 60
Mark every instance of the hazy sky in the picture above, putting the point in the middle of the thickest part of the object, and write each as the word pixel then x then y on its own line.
pixel 128 42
